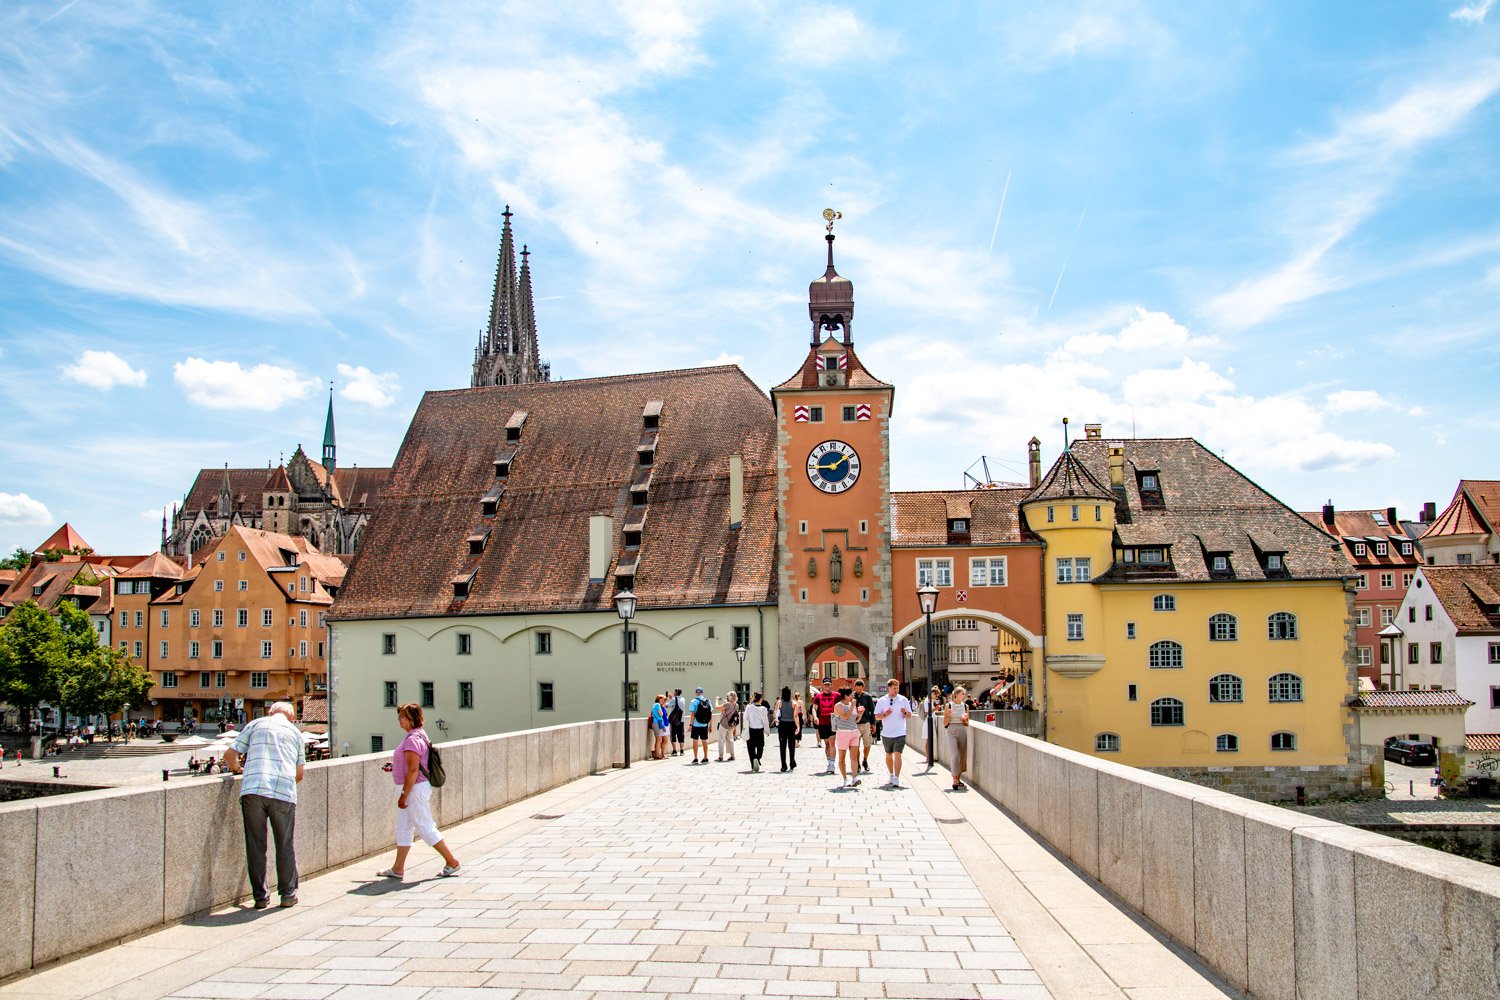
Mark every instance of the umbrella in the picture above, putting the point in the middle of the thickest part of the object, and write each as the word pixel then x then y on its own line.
pixel 191 742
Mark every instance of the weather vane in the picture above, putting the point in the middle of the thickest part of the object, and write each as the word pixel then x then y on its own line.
pixel 831 217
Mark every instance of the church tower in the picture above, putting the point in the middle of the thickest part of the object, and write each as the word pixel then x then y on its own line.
pixel 330 448
pixel 833 495
pixel 508 352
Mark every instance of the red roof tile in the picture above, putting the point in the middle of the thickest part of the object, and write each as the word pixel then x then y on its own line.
pixel 921 518
pixel 1412 699
pixel 1482 742
pixel 1470 595
pixel 65 538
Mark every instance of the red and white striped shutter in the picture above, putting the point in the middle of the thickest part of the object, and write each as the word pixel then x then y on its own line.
pixel 862 411
pixel 800 414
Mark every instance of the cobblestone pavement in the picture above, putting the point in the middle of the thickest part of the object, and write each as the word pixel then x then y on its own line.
pixel 703 880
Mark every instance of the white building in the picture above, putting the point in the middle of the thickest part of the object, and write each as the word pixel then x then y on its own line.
pixel 1446 637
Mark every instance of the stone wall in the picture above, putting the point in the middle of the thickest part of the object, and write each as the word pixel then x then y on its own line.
pixel 1264 895
pixel 180 848
pixel 1279 784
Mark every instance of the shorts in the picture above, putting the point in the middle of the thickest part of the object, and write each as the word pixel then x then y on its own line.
pixel 700 732
pixel 825 732
pixel 866 738
pixel 894 744
pixel 676 731
pixel 847 739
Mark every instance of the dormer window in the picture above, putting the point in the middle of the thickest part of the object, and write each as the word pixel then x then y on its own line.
pixel 958 525
pixel 477 542
pixel 651 415
pixel 638 497
pixel 646 455
pixel 462 584
pixel 1381 548
pixel 1406 548
pixel 651 422
pixel 1359 548
pixel 1273 561
pixel 632 539
pixel 512 435
pixel 1149 482
pixel 502 468
pixel 513 426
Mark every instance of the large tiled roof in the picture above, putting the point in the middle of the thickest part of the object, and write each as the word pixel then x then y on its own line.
pixel 272 550
pixel 66 538
pixel 1068 479
pixel 1207 506
pixel 358 488
pixel 47 583
pixel 856 375
pixel 1474 510
pixel 1469 594
pixel 578 456
pixel 156 566
pixel 921 517
pixel 1411 699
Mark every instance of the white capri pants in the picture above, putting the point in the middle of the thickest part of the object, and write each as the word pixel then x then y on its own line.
pixel 416 818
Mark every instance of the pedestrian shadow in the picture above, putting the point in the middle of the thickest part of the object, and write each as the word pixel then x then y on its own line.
pixel 242 913
pixel 385 886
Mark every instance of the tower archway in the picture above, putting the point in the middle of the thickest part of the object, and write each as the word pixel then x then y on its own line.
pixel 983 650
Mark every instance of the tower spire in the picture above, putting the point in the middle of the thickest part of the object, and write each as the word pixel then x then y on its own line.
pixel 330 447
pixel 830 299
pixel 526 322
pixel 508 351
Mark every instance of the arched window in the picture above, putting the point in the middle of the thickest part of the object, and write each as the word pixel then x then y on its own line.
pixel 1223 627
pixel 201 537
pixel 1227 743
pixel 1286 687
pixel 1165 655
pixel 1166 712
pixel 1226 687
pixel 1164 602
pixel 1283 741
pixel 1107 743
pixel 1282 625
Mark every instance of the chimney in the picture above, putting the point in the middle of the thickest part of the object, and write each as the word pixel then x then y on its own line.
pixel 736 490
pixel 1429 512
pixel 1093 432
pixel 1328 515
pixel 601 533
pixel 1034 461
pixel 1390 518
pixel 1117 467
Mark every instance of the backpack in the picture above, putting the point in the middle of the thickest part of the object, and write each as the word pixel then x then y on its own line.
pixel 676 714
pixel 703 714
pixel 434 772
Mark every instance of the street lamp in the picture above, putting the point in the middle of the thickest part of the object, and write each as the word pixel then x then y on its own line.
pixel 911 661
pixel 739 654
pixel 625 606
pixel 927 597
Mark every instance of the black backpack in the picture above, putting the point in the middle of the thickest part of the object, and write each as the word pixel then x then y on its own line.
pixel 704 713
pixel 675 715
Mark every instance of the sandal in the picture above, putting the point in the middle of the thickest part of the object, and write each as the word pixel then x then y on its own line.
pixel 390 873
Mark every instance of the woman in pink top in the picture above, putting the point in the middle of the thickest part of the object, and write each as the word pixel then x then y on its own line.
pixel 414 806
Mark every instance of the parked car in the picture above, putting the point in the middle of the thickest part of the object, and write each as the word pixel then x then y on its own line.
pixel 1409 753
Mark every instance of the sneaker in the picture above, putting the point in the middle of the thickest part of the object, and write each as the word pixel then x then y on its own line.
pixel 854 783
pixel 287 902
pixel 448 871
pixel 261 904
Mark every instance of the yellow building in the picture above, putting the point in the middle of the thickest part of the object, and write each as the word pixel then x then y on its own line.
pixel 1194 623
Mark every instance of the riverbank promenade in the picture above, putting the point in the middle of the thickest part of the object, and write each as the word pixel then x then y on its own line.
pixel 670 879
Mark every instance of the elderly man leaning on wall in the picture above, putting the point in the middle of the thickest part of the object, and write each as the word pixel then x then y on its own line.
pixel 269 753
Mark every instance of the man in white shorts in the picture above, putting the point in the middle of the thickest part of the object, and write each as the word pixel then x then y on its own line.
pixel 893 709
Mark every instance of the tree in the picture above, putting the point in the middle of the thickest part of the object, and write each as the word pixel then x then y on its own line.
pixel 32 653
pixel 92 679
pixel 19 559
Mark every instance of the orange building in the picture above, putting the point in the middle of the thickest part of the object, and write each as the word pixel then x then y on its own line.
pixel 833 485
pixel 987 568
pixel 244 627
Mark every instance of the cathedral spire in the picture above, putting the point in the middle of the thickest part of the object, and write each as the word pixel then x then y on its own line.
pixel 526 319
pixel 499 337
pixel 508 351
pixel 330 447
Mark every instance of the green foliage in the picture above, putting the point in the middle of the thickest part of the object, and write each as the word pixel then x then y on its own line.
pixel 32 651
pixel 59 661
pixel 19 559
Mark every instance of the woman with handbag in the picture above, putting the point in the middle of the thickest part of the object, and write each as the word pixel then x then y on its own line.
pixel 408 767
pixel 956 728
pixel 729 724
pixel 788 716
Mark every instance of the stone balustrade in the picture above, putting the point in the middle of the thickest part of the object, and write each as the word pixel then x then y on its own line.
pixel 85 870
pixel 1282 905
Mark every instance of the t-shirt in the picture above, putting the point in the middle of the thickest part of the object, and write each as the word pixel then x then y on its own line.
pixel 416 741
pixel 895 723
pixel 757 716
pixel 868 704
pixel 825 700
pixel 693 710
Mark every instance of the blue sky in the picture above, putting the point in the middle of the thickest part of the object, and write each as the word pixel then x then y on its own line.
pixel 1274 227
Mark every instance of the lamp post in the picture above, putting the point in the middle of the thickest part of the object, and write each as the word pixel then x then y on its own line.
pixel 739 654
pixel 927 597
pixel 625 606
pixel 911 664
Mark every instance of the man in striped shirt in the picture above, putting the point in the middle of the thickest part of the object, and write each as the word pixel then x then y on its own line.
pixel 269 752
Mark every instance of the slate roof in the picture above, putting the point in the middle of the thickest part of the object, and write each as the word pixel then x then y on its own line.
pixel 1469 594
pixel 1411 699
pixel 1068 479
pixel 920 518
pixel 577 456
pixel 1206 506
pixel 1474 510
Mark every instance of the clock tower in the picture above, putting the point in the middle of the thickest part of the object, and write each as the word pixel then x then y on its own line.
pixel 833 498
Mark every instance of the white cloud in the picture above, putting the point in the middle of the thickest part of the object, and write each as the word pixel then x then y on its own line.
pixel 724 358
pixel 103 370
pixel 226 385
pixel 18 508
pixel 1472 12
pixel 1148 331
pixel 1356 401
pixel 377 389
pixel 828 36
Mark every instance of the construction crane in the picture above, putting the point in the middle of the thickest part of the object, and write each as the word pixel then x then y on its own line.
pixel 989 482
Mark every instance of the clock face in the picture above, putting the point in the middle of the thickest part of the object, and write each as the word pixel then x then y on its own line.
pixel 833 466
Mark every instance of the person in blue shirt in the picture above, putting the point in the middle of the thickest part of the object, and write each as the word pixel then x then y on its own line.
pixel 701 712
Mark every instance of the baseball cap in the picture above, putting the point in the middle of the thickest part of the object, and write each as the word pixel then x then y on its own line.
pixel 697 690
